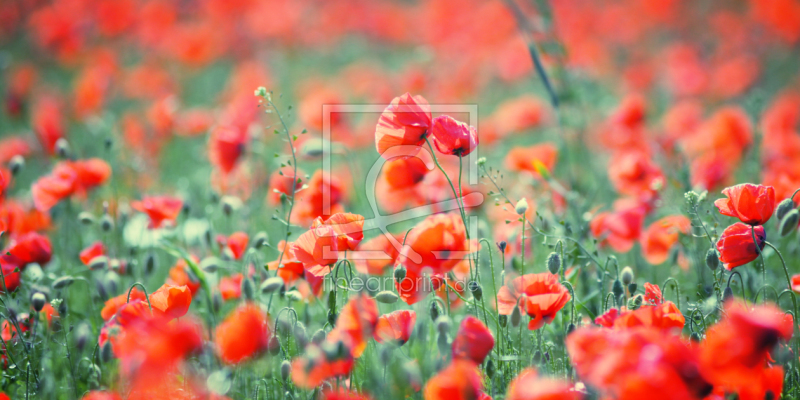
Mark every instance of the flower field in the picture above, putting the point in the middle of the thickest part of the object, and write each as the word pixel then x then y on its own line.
pixel 399 199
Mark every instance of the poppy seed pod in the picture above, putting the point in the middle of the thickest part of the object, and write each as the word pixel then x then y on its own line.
pixel 554 263
pixel 386 297
pixel 516 316
pixel 522 206
pixel 712 259
pixel 783 208
pixel 789 222
pixel 626 276
pixel 16 164
pixel 286 369
pixel 271 285
pixel 38 301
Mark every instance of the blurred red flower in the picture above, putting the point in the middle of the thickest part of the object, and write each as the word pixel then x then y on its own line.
pixel 356 324
pixel 541 296
pixel 752 204
pixel 659 238
pixel 172 301
pixel 243 334
pixel 458 381
pixel 529 386
pixel 474 341
pixel 436 245
pixel 736 246
pixel 160 209
pixel 395 327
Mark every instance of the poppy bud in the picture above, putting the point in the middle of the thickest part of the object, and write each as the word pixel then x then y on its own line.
pixel 228 205
pixel 547 356
pixel 503 319
pixel 286 368
pixel 208 237
pixel 63 282
pixel 82 335
pixel 97 263
pixel 444 345
pixel 632 288
pixel 149 264
pixel 502 246
pixel 789 222
pixel 260 239
pixel 522 206
pixel 695 337
pixel 318 337
pixel 476 290
pixel 62 148
pixel 101 289
pixel 86 218
pixel 332 317
pixel 516 316
pixel 210 264
pixel 399 273
pixel 271 285
pixel 248 289
pixel 435 311
pixel 386 297
pixel 536 358
pixel 570 328
pixel 106 353
pixel 635 302
pixel 490 369
pixel 294 295
pixel 332 300
pixel 554 263
pixel 712 259
pixel 300 335
pixel 216 302
pixel 61 306
pixel 38 301
pixel 273 345
pixel 727 294
pixel 783 208
pixel 443 324
pixel 106 223
pixel 112 281
pixel 385 355
pixel 15 164
pixel 626 276
pixel 617 289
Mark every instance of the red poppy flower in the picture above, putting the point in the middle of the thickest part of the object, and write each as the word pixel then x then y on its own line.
pixel 752 204
pixel 172 301
pixel 474 341
pixel 529 386
pixel 657 240
pixel 225 146
pixel 47 121
pixel 541 296
pixel 179 276
pixel 523 158
pixel 31 248
pixel 395 327
pixel 311 203
pixel 320 363
pixel 113 304
pixel 317 249
pixel 236 243
pixel 97 395
pixel 459 381
pixel 404 173
pixel 665 316
pixel 405 122
pixel 413 287
pixel 94 250
pixel 291 270
pixel 356 324
pixel 619 229
pixel 607 319
pixel 737 348
pixel 378 265
pixel 342 394
pixel 230 287
pixel 159 208
pixel 517 115
pixel 452 137
pixel 796 282
pixel 281 182
pixel 11 271
pixel 436 244
pixel 634 173
pixel 243 334
pixel 652 294
pixel 348 228
pixel 736 246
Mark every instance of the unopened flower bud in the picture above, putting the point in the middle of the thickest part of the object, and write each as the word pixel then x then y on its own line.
pixel 62 148
pixel 332 317
pixel 386 297
pixel 271 285
pixel 522 206
pixel 106 353
pixel 318 337
pixel 712 259
pixel 727 294
pixel 38 300
pixel 502 246
pixel 273 345
pixel 503 319
pixel 16 164
pixel 294 295
pixel 789 222
pixel 490 369
pixel 536 358
pixel 86 218
pixel 443 324
pixel 516 316
pixel 63 282
pixel 635 302
pixel 385 355
pixel 617 288
pixel 216 301
pixel 554 263
pixel 248 289
pixel 98 263
pixel 300 335
pixel 399 273
pixel 570 328
pixel 476 290
pixel 332 300
pixel 260 239
pixel 210 264
pixel 783 208
pixel 286 368
pixel 112 281
pixel 695 337
pixel 149 264
pixel 435 311
pixel 82 335
pixel 444 344
pixel 632 288
pixel 106 223
pixel 626 276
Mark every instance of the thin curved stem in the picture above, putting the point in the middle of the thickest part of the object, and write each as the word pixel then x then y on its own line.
pixel 146 295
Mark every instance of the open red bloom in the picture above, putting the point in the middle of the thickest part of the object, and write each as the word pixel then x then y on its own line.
pixel 657 240
pixel 97 395
pixel 395 327
pixel 356 324
pixel 179 277
pixel 159 208
pixel 96 249
pixel 736 246
pixel 349 229
pixel 342 394
pixel 225 147
pixel 171 301
pixel 619 229
pixel 529 386
pixel 281 182
pixel 378 265
pixel 541 296
pixel 459 381
pixel 413 288
pixel 665 316
pixel 31 247
pixel 11 271
pixel 452 137
pixel 243 334
pixel 230 287
pixel 317 249
pixel 523 158
pixel 404 173
pixel 236 243
pixel 405 122
pixel 320 363
pixel 114 304
pixel 607 319
pixel 68 178
pixel 634 173
pixel 752 204
pixel 436 244
pixel 474 341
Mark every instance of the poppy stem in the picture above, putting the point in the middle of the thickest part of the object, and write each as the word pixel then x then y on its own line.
pixel 758 249
pixel 788 278
pixel 146 296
